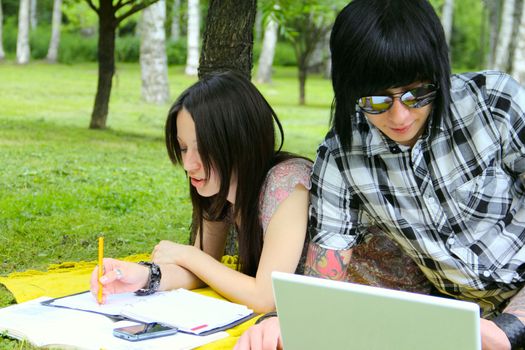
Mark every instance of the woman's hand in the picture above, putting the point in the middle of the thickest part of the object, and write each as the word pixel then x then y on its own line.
pixel 263 336
pixel 168 252
pixel 119 277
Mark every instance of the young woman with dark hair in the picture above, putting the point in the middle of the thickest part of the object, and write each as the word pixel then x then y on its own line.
pixel 222 131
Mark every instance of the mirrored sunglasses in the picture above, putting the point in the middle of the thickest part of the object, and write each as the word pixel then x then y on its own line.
pixel 414 98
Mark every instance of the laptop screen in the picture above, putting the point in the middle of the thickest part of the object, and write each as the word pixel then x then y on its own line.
pixel 315 313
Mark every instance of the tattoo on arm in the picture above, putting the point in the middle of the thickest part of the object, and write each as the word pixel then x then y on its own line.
pixel 327 263
pixel 517 306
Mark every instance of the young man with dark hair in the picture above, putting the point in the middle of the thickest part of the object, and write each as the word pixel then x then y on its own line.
pixel 436 161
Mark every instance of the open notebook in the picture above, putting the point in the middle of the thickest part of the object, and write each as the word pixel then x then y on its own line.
pixel 316 313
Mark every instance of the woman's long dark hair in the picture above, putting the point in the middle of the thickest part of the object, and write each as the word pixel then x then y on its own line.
pixel 381 44
pixel 236 137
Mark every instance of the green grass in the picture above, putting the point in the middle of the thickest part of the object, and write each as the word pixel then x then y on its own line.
pixel 62 185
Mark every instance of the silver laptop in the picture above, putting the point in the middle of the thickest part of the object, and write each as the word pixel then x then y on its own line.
pixel 318 314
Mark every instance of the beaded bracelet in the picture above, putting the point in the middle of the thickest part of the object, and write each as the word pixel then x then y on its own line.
pixel 513 328
pixel 153 283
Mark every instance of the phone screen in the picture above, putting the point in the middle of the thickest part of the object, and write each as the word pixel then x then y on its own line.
pixel 144 331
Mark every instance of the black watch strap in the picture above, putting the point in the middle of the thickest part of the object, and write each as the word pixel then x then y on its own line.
pixel 153 283
pixel 513 328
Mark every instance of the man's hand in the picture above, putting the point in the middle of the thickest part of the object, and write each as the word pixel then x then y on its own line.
pixel 263 336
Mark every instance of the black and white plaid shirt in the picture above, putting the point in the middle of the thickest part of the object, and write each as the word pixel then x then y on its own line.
pixel 455 203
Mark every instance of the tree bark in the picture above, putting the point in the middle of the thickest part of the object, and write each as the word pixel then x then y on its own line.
pixel 52 52
pixel 22 40
pixel 192 59
pixel 501 58
pixel 106 64
pixel 264 72
pixel 2 53
pixel 175 21
pixel 153 60
pixel 518 66
pixel 228 37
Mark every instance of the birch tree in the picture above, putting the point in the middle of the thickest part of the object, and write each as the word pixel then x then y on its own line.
pixel 192 60
pixel 518 66
pixel 447 19
pixel 33 14
pixel 175 21
pixel 56 23
pixel 2 53
pixel 501 57
pixel 153 60
pixel 264 71
pixel 22 39
pixel 493 9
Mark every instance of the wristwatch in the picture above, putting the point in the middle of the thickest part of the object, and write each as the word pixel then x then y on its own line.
pixel 153 283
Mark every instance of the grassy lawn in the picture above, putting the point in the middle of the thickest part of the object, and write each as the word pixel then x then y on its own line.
pixel 62 185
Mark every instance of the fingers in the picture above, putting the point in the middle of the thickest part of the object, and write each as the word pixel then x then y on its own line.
pixel 112 276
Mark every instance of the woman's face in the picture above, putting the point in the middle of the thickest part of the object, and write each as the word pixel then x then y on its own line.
pixel 191 159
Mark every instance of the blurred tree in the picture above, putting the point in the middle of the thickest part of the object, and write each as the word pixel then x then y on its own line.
pixel 108 23
pixel 518 67
pixel 228 37
pixel 192 58
pixel 501 56
pixel 22 39
pixel 305 24
pixel 33 20
pixel 153 60
pixel 264 70
pixel 447 16
pixel 2 53
pixel 52 52
pixel 175 21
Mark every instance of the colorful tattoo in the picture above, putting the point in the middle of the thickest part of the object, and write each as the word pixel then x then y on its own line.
pixel 327 263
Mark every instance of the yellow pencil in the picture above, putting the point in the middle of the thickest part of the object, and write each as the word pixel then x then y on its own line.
pixel 100 267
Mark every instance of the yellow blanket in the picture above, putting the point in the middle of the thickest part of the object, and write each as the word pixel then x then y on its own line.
pixel 73 277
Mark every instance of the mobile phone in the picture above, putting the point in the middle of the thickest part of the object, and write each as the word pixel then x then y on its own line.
pixel 144 331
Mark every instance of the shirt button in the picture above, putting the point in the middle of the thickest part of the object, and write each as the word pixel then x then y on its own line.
pixel 431 200
pixel 451 241
pixel 486 273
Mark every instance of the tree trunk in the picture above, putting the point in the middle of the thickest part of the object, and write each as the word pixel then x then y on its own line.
pixel 106 65
pixel 258 25
pixel 22 40
pixel 192 60
pixel 228 37
pixel 175 21
pixel 447 19
pixel 302 83
pixel 153 60
pixel 52 52
pixel 264 72
pixel 2 53
pixel 501 59
pixel 518 66
pixel 492 7
pixel 32 14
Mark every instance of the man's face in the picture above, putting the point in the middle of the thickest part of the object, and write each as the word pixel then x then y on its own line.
pixel 401 123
